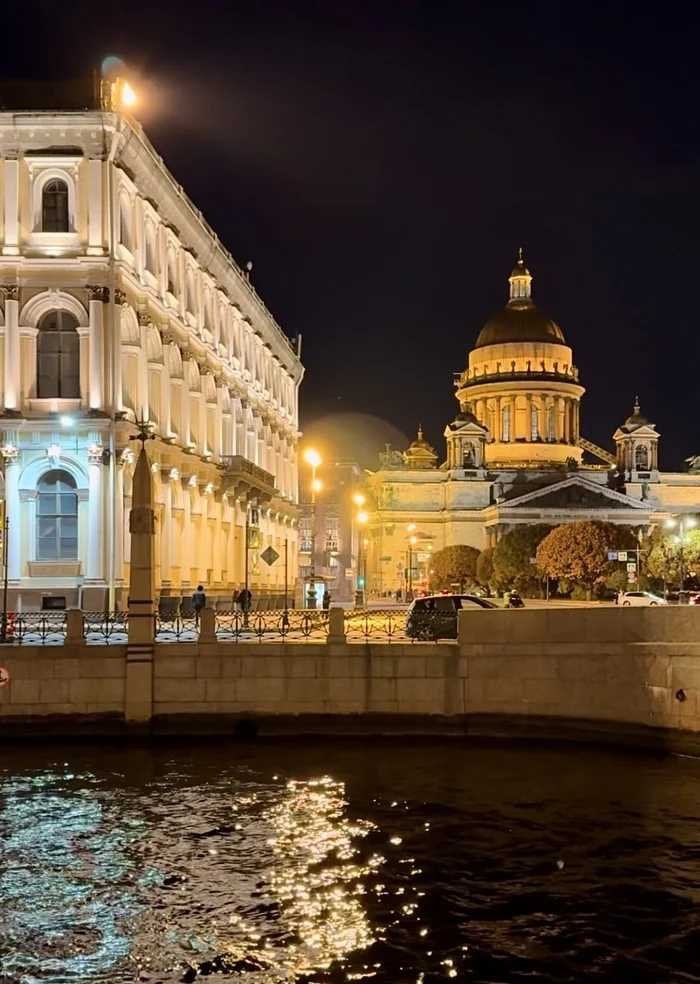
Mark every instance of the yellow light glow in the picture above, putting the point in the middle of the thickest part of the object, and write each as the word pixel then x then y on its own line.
pixel 689 522
pixel 414 539
pixel 312 458
pixel 359 499
pixel 128 96
pixel 362 517
pixel 317 485
pixel 411 527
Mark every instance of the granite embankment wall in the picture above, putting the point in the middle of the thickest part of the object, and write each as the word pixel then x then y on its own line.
pixel 631 674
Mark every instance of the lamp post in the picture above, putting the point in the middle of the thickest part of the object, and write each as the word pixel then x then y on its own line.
pixel 313 458
pixel 361 574
pixel 412 541
pixel 684 523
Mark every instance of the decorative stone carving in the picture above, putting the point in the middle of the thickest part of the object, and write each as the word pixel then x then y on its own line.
pixel 96 454
pixel 120 297
pixel 10 291
pixel 98 292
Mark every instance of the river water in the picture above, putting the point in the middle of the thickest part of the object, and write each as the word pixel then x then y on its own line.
pixel 343 861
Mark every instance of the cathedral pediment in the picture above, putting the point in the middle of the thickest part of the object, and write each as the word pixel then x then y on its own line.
pixel 576 493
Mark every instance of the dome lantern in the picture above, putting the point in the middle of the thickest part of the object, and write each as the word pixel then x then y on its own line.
pixel 520 280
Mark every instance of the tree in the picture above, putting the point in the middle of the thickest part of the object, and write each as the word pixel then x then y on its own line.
pixel 661 554
pixel 579 552
pixel 454 565
pixel 484 568
pixel 514 553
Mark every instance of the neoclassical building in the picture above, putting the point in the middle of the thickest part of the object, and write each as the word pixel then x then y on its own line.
pixel 120 308
pixel 514 454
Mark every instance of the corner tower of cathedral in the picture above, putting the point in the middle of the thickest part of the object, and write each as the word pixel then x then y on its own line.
pixel 521 384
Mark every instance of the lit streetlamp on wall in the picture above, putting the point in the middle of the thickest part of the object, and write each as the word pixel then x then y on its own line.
pixel 683 524
pixel 313 458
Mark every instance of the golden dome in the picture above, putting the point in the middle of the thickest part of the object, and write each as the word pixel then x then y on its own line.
pixel 636 418
pixel 420 441
pixel 521 320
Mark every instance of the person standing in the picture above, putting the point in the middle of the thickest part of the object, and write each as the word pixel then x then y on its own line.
pixel 199 601
pixel 326 600
pixel 245 599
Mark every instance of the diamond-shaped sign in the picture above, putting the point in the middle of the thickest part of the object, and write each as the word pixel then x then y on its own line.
pixel 269 556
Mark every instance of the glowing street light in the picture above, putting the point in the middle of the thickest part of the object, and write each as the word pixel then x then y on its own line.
pixel 128 96
pixel 313 458
pixel 359 499
pixel 362 518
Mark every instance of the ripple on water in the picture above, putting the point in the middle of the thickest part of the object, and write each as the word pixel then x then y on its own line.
pixel 352 862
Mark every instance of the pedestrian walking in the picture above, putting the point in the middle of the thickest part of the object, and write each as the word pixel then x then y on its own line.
pixel 245 599
pixel 199 601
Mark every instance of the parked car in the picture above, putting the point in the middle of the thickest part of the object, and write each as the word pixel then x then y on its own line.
pixel 435 617
pixel 639 599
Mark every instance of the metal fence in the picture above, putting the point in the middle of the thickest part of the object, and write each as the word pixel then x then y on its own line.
pixel 277 626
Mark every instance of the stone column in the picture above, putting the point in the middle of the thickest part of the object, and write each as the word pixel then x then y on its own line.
pixel 13 393
pixel 11 244
pixel 138 704
pixel 497 421
pixel 95 555
pixel 12 506
pixel 95 247
pixel 166 534
pixel 96 355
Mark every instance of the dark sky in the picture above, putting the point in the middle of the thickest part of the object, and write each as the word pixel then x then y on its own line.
pixel 381 162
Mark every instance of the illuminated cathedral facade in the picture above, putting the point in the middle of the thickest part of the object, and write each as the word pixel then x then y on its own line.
pixel 514 455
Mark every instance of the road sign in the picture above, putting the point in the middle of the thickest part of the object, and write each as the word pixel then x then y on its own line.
pixel 269 556
pixel 612 554
pixel 349 572
pixel 622 555
pixel 4 676
pixel 632 566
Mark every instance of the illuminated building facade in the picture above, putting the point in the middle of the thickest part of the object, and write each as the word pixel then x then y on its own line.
pixel 514 455
pixel 118 305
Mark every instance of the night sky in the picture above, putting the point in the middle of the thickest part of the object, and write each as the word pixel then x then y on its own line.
pixel 381 163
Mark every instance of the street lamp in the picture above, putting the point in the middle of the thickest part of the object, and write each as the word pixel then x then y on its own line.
pixel 362 518
pixel 412 541
pixel 313 458
pixel 683 523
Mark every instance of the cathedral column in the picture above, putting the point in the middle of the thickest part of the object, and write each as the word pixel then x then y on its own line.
pixel 166 554
pixel 11 238
pixel 96 364
pixel 497 420
pixel 13 394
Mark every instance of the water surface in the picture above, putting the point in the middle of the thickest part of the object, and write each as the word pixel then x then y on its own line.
pixel 326 862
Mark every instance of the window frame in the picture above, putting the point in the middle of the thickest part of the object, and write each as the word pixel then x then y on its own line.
pixel 57 376
pixel 58 515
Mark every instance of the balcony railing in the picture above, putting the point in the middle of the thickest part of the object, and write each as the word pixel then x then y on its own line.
pixel 242 477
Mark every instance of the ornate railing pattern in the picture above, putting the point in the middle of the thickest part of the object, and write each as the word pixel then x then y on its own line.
pixel 275 626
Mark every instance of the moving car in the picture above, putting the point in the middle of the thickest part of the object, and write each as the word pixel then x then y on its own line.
pixel 435 617
pixel 639 599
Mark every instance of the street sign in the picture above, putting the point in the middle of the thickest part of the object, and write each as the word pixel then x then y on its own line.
pixel 269 556
pixel 631 567
pixel 612 554
pixel 622 555
pixel 349 572
pixel 4 676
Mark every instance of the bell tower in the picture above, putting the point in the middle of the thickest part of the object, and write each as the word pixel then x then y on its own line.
pixel 637 445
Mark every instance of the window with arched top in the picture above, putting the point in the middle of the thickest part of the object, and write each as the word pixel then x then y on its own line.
pixel 505 424
pixel 171 285
pixel 468 456
pixel 550 424
pixel 125 223
pixel 149 260
pixel 641 457
pixel 189 293
pixel 534 424
pixel 57 516
pixel 54 206
pixel 58 357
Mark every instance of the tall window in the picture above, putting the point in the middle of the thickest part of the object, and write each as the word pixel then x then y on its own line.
pixel 641 457
pixel 189 294
pixel 125 224
pixel 534 424
pixel 57 517
pixel 172 276
pixel 54 206
pixel 58 357
pixel 550 424
pixel 150 257
pixel 491 421
pixel 505 424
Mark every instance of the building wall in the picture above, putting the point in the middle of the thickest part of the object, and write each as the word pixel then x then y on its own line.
pixel 171 332
pixel 637 674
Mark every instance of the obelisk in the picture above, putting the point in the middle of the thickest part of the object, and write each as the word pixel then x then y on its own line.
pixel 138 702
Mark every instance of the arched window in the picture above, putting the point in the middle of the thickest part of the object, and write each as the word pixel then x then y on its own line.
pixel 58 357
pixel 505 424
pixel 54 206
pixel 641 457
pixel 150 252
pixel 57 517
pixel 468 457
pixel 172 276
pixel 125 223
pixel 189 297
pixel 550 424
pixel 534 424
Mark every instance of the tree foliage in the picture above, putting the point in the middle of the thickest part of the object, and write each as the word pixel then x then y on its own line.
pixel 514 553
pixel 484 568
pixel 661 554
pixel 579 551
pixel 454 565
